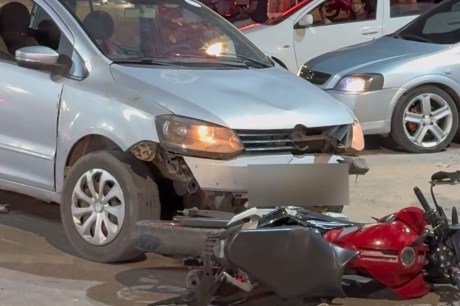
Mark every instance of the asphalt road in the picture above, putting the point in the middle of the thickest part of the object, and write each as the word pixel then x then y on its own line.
pixel 38 266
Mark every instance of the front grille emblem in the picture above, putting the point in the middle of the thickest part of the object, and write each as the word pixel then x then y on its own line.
pixel 299 138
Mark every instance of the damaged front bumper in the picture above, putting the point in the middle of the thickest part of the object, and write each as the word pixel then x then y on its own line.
pixel 232 175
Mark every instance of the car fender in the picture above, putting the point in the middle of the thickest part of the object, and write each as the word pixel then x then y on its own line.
pixel 420 81
pixel 117 119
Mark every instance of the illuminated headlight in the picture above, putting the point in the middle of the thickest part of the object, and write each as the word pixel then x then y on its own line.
pixel 355 142
pixel 360 83
pixel 407 256
pixel 194 137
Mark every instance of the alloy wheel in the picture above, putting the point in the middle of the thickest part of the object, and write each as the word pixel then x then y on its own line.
pixel 427 120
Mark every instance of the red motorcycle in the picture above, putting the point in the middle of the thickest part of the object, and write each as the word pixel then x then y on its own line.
pixel 301 256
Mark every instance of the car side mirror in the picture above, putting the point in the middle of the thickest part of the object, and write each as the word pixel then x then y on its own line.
pixel 304 22
pixel 42 58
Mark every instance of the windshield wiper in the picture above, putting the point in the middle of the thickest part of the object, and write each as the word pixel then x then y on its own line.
pixel 146 61
pixel 231 59
pixel 177 61
pixel 244 59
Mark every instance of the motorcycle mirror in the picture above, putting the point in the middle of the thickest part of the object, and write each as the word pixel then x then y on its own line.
pixel 454 216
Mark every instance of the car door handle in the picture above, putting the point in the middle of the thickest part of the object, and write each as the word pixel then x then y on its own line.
pixel 369 31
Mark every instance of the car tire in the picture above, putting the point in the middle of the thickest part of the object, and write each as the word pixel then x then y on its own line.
pixel 425 120
pixel 99 227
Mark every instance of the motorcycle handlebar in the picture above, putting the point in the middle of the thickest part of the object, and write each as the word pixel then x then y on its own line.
pixel 422 200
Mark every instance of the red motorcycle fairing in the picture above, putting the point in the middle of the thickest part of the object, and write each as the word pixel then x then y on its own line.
pixel 385 252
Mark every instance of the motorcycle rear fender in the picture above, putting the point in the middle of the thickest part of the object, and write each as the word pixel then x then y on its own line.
pixel 290 261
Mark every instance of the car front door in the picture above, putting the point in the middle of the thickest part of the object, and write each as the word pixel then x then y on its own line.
pixel 334 32
pixel 29 104
pixel 29 107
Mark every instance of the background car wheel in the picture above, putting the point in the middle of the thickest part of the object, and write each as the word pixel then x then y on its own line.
pixel 104 196
pixel 425 120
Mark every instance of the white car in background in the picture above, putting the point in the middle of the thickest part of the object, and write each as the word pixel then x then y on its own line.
pixel 301 33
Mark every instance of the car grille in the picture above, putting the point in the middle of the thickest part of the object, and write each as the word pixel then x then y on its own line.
pixel 315 77
pixel 311 140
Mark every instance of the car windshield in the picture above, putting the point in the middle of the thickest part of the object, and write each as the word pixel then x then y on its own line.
pixel 440 25
pixel 165 32
pixel 288 13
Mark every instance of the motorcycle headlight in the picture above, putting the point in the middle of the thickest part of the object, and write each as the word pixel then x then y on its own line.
pixel 360 83
pixel 194 137
pixel 407 256
pixel 355 141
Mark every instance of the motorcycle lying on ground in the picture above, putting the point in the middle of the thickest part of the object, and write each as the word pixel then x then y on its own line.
pixel 301 256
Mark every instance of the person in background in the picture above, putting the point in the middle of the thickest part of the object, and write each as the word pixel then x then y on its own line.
pixel 254 12
pixel 361 10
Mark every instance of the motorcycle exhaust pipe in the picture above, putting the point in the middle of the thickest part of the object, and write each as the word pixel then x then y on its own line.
pixel 171 239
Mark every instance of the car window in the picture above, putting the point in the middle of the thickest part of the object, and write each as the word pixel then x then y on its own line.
pixel 440 25
pixel 340 11
pixel 399 8
pixel 14 27
pixel 24 23
pixel 172 30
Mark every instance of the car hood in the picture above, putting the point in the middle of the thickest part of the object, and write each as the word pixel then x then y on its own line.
pixel 270 98
pixel 379 51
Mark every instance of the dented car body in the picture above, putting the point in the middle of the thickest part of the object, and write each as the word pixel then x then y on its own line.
pixel 107 112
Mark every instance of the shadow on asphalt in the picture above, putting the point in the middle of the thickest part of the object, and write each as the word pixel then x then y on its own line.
pixel 140 286
pixel 149 285
pixel 37 217
pixel 447 294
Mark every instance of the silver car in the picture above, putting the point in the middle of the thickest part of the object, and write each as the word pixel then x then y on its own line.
pixel 406 84
pixel 132 111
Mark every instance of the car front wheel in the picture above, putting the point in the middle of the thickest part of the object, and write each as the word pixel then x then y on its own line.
pixel 425 120
pixel 104 195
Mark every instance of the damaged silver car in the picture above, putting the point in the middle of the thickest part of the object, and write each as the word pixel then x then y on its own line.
pixel 134 111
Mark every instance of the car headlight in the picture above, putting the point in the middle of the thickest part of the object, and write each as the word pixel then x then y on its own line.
pixel 355 141
pixel 194 137
pixel 360 82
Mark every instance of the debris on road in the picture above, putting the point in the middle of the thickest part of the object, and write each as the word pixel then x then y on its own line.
pixel 4 208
